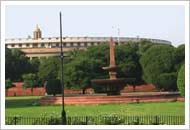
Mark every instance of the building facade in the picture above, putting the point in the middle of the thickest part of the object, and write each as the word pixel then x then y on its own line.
pixel 50 46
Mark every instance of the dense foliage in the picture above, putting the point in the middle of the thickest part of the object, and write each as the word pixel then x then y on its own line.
pixel 181 80
pixel 16 64
pixel 158 66
pixel 49 67
pixel 180 56
pixel 53 86
pixel 143 61
pixel 30 80
pixel 8 84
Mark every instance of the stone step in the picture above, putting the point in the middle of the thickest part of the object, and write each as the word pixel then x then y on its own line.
pixel 103 99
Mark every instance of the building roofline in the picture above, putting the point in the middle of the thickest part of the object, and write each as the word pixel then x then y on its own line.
pixel 78 39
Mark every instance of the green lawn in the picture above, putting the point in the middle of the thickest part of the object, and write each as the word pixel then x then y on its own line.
pixel 29 107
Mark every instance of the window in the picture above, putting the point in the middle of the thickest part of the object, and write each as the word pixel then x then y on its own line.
pixel 68 44
pixel 42 45
pixel 12 45
pixel 75 44
pixel 20 45
pixel 35 45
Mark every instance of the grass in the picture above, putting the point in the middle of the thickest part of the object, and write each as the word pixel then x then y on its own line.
pixel 29 107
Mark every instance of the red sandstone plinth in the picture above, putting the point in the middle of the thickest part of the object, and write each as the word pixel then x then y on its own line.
pixel 103 99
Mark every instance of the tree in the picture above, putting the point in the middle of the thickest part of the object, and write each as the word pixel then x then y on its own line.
pixel 168 81
pixel 53 86
pixel 49 68
pixel 180 56
pixel 158 63
pixel 8 64
pixel 34 63
pixel 181 80
pixel 30 81
pixel 84 65
pixel 143 46
pixel 78 74
pixel 8 84
pixel 128 62
pixel 87 65
pixel 16 64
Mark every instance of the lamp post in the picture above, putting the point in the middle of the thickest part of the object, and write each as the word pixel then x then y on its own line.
pixel 63 113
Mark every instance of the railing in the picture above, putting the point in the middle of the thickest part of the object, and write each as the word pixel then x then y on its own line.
pixel 98 120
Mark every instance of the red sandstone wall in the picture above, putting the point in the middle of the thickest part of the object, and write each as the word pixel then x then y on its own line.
pixel 139 88
pixel 18 90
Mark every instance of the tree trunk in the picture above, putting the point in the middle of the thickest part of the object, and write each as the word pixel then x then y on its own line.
pixel 83 91
pixel 134 88
pixel 32 91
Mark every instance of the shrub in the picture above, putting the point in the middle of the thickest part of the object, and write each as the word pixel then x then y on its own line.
pixel 53 86
pixel 8 84
pixel 158 64
pixel 167 81
pixel 181 80
pixel 30 80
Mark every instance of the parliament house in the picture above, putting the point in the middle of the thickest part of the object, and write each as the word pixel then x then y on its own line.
pixel 38 46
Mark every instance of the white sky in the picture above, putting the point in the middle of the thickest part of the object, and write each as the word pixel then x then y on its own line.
pixel 160 22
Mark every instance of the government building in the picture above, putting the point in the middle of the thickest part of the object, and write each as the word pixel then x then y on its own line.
pixel 38 46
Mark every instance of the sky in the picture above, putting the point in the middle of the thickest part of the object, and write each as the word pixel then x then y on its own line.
pixel 165 22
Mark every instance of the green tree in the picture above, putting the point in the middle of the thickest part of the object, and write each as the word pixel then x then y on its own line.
pixel 181 80
pixel 78 74
pixel 49 68
pixel 30 81
pixel 180 56
pixel 16 64
pixel 9 64
pixel 53 86
pixel 128 62
pixel 34 63
pixel 87 64
pixel 8 84
pixel 143 46
pixel 168 81
pixel 158 63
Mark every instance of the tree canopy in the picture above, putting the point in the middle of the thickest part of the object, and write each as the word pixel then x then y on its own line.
pixel 49 67
pixel 181 80
pixel 144 61
pixel 16 64
pixel 158 64
pixel 30 80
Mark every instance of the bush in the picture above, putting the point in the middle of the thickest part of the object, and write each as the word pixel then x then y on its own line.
pixel 158 65
pixel 180 56
pixel 30 80
pixel 8 84
pixel 167 81
pixel 53 86
pixel 181 80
